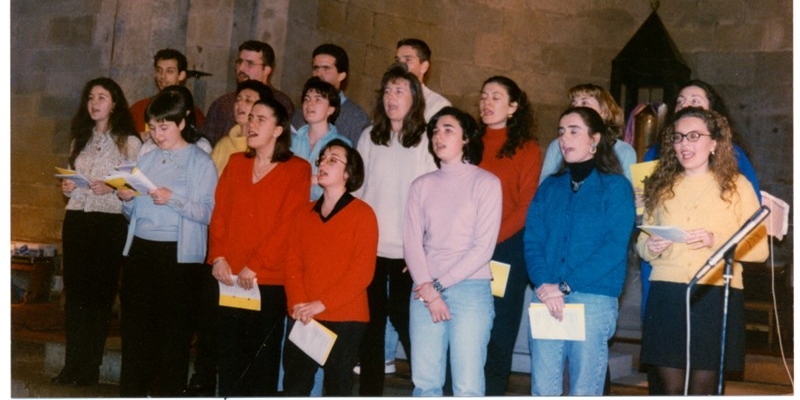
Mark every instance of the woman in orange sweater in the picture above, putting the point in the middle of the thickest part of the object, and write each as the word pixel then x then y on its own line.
pixel 511 153
pixel 257 196
pixel 329 264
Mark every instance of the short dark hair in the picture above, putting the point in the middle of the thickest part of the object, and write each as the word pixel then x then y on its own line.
pixel 171 54
pixel 283 143
pixel 264 91
pixel 337 52
pixel 423 51
pixel 170 105
pixel 267 53
pixel 189 132
pixel 327 91
pixel 355 164
pixel 473 148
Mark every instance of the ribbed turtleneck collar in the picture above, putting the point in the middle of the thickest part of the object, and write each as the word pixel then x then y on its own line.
pixel 579 171
pixel 455 168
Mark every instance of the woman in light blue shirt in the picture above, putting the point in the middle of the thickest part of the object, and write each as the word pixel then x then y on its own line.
pixel 166 240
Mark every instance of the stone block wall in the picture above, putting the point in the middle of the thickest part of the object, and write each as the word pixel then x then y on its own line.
pixel 742 47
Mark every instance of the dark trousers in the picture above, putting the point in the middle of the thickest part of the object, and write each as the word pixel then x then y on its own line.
pixel 395 304
pixel 300 368
pixel 93 243
pixel 156 299
pixel 508 314
pixel 250 346
pixel 204 325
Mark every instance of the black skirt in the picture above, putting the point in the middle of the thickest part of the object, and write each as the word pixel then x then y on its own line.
pixel 664 331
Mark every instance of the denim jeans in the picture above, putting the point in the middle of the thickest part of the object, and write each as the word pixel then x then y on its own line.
pixel 588 359
pixel 466 335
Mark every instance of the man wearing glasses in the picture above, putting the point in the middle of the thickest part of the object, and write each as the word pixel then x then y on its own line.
pixel 256 61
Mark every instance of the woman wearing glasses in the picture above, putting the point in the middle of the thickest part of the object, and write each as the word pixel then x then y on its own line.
pixel 696 187
pixel 258 193
pixel 327 278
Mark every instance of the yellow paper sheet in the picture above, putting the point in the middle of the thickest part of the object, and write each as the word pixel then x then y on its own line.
pixel 500 273
pixel 314 339
pixel 571 327
pixel 639 172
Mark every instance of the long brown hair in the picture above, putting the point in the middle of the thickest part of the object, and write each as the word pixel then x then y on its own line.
pixel 120 123
pixel 722 163
pixel 521 125
pixel 413 123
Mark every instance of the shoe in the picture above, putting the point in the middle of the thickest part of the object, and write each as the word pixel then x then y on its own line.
pixel 63 378
pixel 390 367
pixel 74 379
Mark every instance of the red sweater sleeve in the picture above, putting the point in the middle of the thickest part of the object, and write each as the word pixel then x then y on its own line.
pixel 295 290
pixel 218 228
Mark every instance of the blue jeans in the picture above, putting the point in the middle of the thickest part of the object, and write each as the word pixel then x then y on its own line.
pixel 466 334
pixel 588 359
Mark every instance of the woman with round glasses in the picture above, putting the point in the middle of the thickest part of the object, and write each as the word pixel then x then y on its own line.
pixel 256 199
pixel 329 264
pixel 696 187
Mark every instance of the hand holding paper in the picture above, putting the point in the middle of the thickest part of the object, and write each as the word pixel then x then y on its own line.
pixel 72 176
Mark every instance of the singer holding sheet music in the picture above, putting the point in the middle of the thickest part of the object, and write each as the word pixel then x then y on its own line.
pixel 103 137
pixel 697 187
pixel 576 240
pixel 166 243
pixel 258 194
pixel 329 264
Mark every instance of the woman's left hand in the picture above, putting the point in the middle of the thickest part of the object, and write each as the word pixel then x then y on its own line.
pixel 553 298
pixel 438 309
pixel 305 312
pixel 100 188
pixel 699 238
pixel 160 196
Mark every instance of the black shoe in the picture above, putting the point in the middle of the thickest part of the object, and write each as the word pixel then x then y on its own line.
pixel 63 378
pixel 85 380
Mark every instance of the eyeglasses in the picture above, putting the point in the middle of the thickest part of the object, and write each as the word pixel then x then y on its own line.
pixel 328 161
pixel 691 136
pixel 247 63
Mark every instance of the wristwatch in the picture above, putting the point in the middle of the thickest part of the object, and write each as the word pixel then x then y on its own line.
pixel 564 288
pixel 438 286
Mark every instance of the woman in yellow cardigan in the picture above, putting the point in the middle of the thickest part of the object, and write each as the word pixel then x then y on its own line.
pixel 698 188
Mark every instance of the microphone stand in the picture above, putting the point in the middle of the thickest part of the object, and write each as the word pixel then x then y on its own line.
pixel 727 276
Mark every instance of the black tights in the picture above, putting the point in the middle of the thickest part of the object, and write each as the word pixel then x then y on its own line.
pixel 670 381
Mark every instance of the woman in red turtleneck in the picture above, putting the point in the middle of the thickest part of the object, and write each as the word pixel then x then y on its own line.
pixel 511 152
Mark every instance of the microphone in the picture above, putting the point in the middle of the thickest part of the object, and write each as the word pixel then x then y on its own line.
pixel 737 237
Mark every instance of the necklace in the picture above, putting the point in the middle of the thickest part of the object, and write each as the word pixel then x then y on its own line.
pixel 260 172
pixel 575 185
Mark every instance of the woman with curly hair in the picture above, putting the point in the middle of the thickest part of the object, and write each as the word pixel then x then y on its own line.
pixel 697 187
pixel 511 152
pixel 103 137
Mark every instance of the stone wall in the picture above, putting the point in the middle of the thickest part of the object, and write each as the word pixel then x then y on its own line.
pixel 742 47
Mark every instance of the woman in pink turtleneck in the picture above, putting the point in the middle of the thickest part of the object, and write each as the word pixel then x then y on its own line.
pixel 512 153
pixel 450 229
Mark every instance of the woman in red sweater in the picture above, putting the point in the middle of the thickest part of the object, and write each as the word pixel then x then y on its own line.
pixel 329 264
pixel 257 196
pixel 511 153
